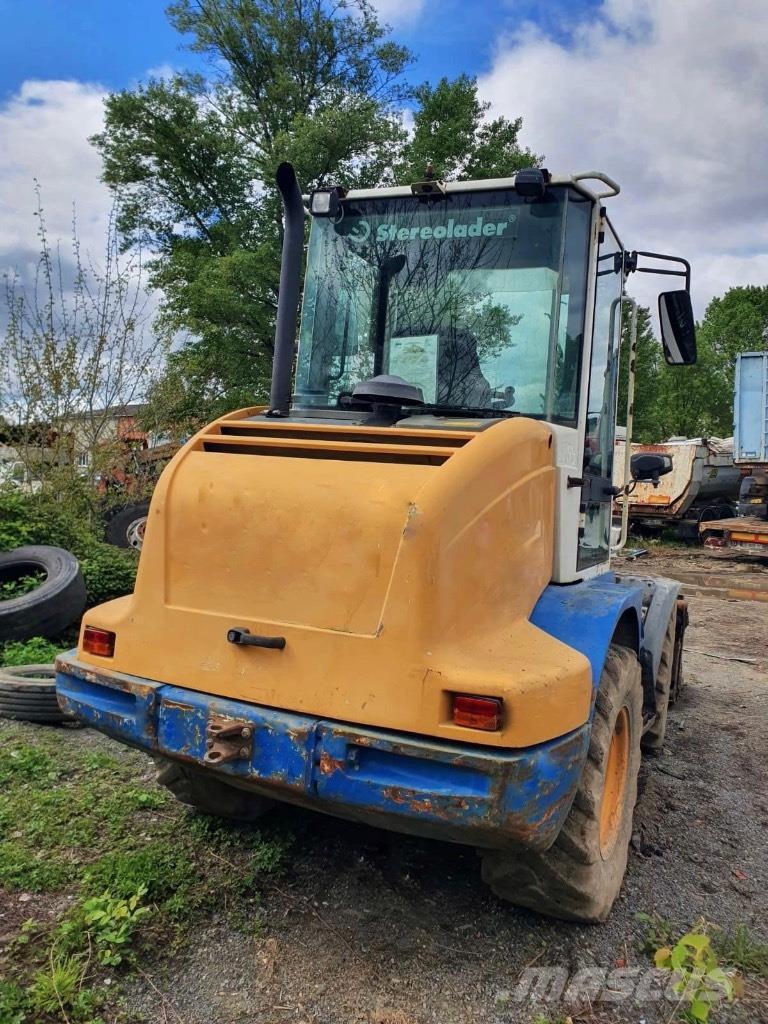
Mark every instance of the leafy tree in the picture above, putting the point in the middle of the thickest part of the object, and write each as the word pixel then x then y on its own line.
pixel 646 426
pixel 193 161
pixel 452 135
pixel 699 400
pixel 695 401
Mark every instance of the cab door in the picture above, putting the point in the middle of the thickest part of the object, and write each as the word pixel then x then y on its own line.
pixel 597 495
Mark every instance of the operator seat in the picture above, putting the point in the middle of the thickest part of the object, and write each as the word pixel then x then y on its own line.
pixel 460 380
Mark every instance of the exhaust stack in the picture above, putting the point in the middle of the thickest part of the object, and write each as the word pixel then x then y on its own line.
pixel 288 298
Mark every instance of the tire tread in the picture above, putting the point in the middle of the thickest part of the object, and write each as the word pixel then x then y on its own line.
pixel 571 879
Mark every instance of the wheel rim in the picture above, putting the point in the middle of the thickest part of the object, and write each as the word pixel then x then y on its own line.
pixel 615 784
pixel 135 532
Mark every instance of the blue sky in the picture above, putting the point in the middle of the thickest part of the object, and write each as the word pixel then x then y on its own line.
pixel 115 43
pixel 104 41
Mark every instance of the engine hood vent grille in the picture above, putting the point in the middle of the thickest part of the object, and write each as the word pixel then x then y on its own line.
pixel 338 443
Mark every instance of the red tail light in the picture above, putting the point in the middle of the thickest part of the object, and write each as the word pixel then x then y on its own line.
pixel 98 641
pixel 477 712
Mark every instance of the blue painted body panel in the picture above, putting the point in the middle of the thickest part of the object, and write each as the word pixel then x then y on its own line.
pixel 585 615
pixel 461 792
pixel 750 408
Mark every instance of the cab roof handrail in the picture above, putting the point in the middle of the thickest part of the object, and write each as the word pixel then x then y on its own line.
pixel 614 186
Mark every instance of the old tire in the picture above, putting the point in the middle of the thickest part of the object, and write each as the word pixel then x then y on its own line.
pixel 206 792
pixel 125 527
pixel 28 692
pixel 56 603
pixel 580 875
pixel 653 739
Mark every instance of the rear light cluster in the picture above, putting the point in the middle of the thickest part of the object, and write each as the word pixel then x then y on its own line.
pixel 100 642
pixel 477 712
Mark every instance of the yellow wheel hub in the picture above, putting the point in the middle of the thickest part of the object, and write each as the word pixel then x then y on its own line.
pixel 615 783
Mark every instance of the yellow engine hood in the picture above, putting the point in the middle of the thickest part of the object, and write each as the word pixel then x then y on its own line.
pixel 400 566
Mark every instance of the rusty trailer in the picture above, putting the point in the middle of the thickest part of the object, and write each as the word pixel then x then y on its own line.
pixel 745 533
pixel 703 485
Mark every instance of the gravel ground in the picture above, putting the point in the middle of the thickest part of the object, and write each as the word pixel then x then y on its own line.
pixel 370 927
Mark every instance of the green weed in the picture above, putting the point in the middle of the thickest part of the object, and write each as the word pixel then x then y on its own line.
pixel 739 948
pixel 20 869
pixel 701 983
pixel 164 869
pixel 657 932
pixel 59 990
pixel 29 764
pixel 142 869
pixel 105 925
pixel 13 1003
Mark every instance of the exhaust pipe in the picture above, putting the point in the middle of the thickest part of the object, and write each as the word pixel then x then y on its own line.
pixel 288 297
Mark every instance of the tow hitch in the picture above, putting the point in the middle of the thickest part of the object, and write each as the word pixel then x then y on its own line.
pixel 227 740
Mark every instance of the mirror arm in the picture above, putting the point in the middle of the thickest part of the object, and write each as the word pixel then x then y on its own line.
pixel 631 261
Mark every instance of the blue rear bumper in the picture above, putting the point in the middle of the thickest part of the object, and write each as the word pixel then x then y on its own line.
pixel 460 792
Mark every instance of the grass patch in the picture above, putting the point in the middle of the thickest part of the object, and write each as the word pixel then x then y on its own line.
pixel 741 949
pixel 139 869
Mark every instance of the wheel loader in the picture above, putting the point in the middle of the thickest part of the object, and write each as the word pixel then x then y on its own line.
pixel 387 595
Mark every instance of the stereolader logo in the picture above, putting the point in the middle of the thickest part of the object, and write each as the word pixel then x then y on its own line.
pixel 391 232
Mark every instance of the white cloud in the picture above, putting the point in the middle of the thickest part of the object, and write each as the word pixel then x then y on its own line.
pixel 45 128
pixel 160 73
pixel 395 12
pixel 669 99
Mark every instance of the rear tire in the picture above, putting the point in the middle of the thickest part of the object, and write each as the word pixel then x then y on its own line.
pixel 125 527
pixel 654 738
pixel 208 794
pixel 580 875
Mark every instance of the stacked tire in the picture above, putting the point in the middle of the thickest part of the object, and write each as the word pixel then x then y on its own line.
pixel 28 693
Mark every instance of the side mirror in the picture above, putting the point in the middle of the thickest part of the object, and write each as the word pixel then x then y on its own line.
pixel 678 328
pixel 649 466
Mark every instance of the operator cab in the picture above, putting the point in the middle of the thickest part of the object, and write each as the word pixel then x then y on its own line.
pixel 464 303
pixel 475 297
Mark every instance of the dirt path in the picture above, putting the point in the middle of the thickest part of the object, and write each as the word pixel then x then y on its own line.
pixel 369 927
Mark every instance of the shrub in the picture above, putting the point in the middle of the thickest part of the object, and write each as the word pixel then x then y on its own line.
pixel 40 519
pixel 36 651
pixel 108 571
pixel 75 525
pixel 15 528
